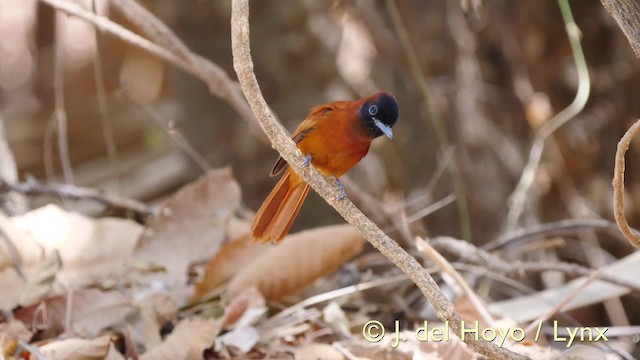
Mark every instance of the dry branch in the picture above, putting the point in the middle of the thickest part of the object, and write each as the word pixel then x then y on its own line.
pixel 243 65
pixel 556 228
pixel 473 255
pixel 627 15
pixel 73 192
pixel 618 185
pixel 211 74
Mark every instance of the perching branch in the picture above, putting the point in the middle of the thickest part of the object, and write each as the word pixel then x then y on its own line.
pixel 243 65
pixel 618 186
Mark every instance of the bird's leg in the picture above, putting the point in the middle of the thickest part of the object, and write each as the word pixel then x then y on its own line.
pixel 343 194
pixel 307 160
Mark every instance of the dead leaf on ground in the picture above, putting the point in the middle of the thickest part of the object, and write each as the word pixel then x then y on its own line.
pixel 92 251
pixel 155 311
pixel 188 340
pixel 91 312
pixel 11 286
pixel 191 227
pixel 235 311
pixel 318 351
pixel 298 261
pixel 243 338
pixel 80 349
pixel 26 248
pixel 39 283
pixel 233 256
pixel 245 311
pixel 12 333
pixel 14 329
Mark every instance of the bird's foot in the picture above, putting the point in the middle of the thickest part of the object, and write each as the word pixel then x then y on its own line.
pixel 343 194
pixel 307 160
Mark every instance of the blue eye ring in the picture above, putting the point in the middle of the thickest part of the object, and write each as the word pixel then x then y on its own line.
pixel 373 109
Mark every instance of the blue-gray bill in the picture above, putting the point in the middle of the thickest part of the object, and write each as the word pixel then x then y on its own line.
pixel 386 130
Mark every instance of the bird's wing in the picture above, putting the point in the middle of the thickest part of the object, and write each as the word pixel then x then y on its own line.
pixel 316 114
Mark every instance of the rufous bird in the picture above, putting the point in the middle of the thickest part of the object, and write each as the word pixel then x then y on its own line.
pixel 333 138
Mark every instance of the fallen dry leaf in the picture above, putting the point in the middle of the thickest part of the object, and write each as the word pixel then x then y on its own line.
pixel 27 249
pixel 91 312
pixel 92 251
pixel 529 307
pixel 188 340
pixel 333 315
pixel 250 298
pixel 14 330
pixel 298 261
pixel 226 263
pixel 191 227
pixel 243 338
pixel 80 349
pixel 11 286
pixel 318 351
pixel 39 284
pixel 155 311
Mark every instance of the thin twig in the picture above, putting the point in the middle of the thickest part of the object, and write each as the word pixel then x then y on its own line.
pixel 152 27
pixel 178 139
pixel 337 293
pixel 481 270
pixel 60 113
pixel 74 192
pixel 47 150
pixel 211 74
pixel 33 350
pixel 13 203
pixel 68 313
pixel 429 209
pixel 474 255
pixel 556 228
pixel 618 185
pixel 103 106
pixel 434 116
pixel 447 268
pixel 519 195
pixel 243 65
pixel 558 307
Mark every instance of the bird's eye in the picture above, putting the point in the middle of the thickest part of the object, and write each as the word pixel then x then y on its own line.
pixel 373 109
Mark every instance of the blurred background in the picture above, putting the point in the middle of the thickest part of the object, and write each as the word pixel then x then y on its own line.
pixel 492 73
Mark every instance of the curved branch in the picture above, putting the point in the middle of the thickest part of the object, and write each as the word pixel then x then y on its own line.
pixel 618 186
pixel 243 65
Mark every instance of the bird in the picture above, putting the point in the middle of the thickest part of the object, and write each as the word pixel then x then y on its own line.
pixel 333 137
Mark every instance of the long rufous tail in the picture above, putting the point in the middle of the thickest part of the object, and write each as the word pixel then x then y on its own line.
pixel 280 208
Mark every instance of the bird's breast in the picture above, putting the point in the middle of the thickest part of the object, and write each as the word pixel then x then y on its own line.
pixel 335 148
